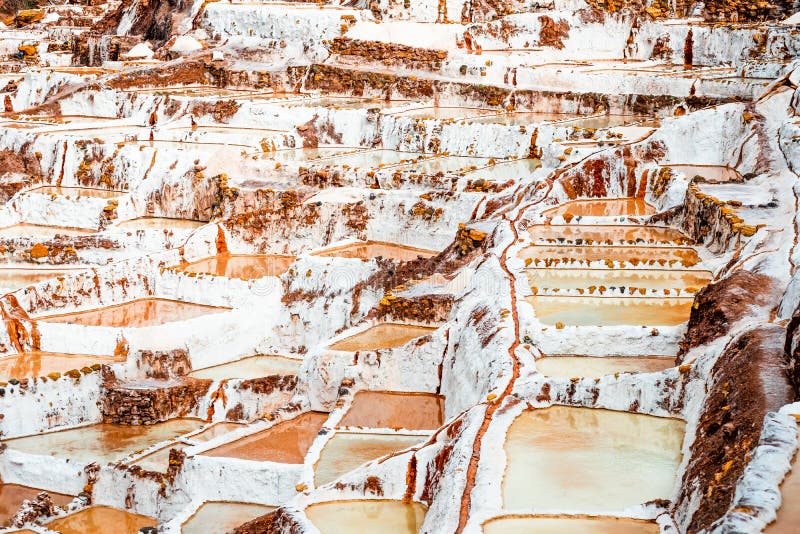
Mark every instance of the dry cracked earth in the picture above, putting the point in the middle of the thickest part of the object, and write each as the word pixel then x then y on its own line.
pixel 453 266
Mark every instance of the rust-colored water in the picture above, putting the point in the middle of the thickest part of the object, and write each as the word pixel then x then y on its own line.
pixel 102 442
pixel 616 233
pixel 568 525
pixel 37 363
pixel 603 207
pixel 77 192
pixel 383 409
pixel 589 460
pixel 252 367
pixel 346 451
pixel 788 521
pixel 382 336
pixel 584 366
pixel 12 495
pixel 217 517
pixel 240 266
pixel 373 249
pixel 101 520
pixel 684 256
pixel 368 516
pixel 605 311
pixel 157 223
pixel 41 231
pixel 215 431
pixel 137 313
pixel 627 278
pixel 286 442
pixel 11 279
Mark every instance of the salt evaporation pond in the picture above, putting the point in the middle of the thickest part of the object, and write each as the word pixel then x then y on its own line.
pixel 77 192
pixel 603 233
pixel 287 442
pixel 686 257
pixel 160 223
pixel 215 430
pixel 438 113
pixel 40 231
pixel 373 158
pixel 789 513
pixel 374 249
pixel 444 164
pixel 627 278
pixel 357 517
pixel 249 368
pixel 589 460
pixel 136 314
pixel 158 461
pixel 220 517
pixel 606 207
pixel 13 279
pixel 98 520
pixel 607 311
pixel 239 266
pixel 712 173
pixel 345 451
pixel 102 442
pixel 568 525
pixel 38 363
pixel 382 336
pixel 595 367
pixel 12 495
pixel 389 409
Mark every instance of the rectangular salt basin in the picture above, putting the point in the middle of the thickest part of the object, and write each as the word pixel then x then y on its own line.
pixel 789 512
pixel 603 207
pixel 610 311
pixel 608 233
pixel 158 223
pixel 12 495
pixel 239 266
pixel 382 336
pixel 373 158
pixel 12 279
pixel 42 232
pixel 345 451
pixel 712 173
pixel 37 363
pixel 373 249
pixel 607 121
pixel 627 278
pixel 102 442
pixel 308 154
pixel 444 113
pixel 77 192
pixel 249 368
pixel 158 461
pixel 568 525
pixel 444 164
pixel 586 366
pixel 287 442
pixel 220 517
pixel 523 118
pixel 389 409
pixel 518 169
pixel 358 517
pixel 687 257
pixel 136 314
pixel 589 460
pixel 98 519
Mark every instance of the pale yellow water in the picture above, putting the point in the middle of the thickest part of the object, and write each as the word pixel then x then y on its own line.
pixel 220 517
pixel 239 266
pixel 37 363
pixel 137 313
pixel 370 516
pixel 12 279
pixel 102 442
pixel 389 409
pixel 372 249
pixel 712 173
pixel 589 460
pixel 444 164
pixel 605 311
pixel 373 158
pixel 101 520
pixel 158 223
pixel 77 192
pixel 252 367
pixel 584 366
pixel 382 336
pixel 214 431
pixel 603 207
pixel 658 256
pixel 345 451
pixel 603 233
pixel 627 278
pixel 567 525
pixel 41 231
pixel 444 113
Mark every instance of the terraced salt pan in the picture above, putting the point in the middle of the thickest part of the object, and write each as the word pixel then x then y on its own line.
pixel 41 231
pixel 249 368
pixel 158 461
pixel 789 512
pixel 307 154
pixel 712 173
pixel 382 336
pixel 518 169
pixel 136 314
pixel 98 520
pixel 222 517
pixel 523 118
pixel 37 363
pixel 287 442
pixel 444 113
pixel 12 495
pixel 589 460
pixel 158 223
pixel 102 442
pixel 354 517
pixel 606 207
pixel 608 311
pixel 608 121
pixel 345 451
pixel 214 431
pixel 374 158
pixel 77 192
pixel 239 266
pixel 11 279
pixel 389 409
pixel 444 164
pixel 585 366
pixel 616 233
pixel 628 278
pixel 367 250
pixel 684 256
pixel 568 525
